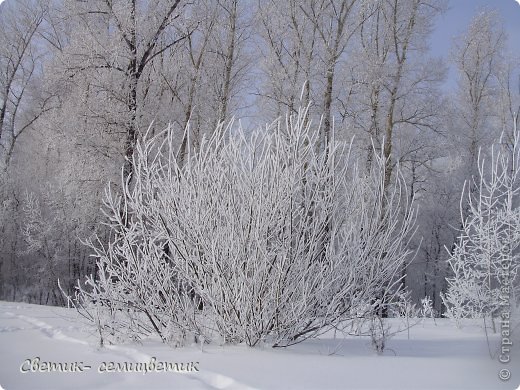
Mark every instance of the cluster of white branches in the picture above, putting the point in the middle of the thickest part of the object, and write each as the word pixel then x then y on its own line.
pixel 486 259
pixel 261 237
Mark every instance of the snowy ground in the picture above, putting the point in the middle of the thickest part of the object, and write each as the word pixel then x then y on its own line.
pixel 437 356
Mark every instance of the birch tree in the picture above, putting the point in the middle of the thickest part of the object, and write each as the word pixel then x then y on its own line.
pixel 335 23
pixel 217 59
pixel 24 103
pixel 404 27
pixel 479 56
pixel 394 86
pixel 302 61
pixel 289 54
pixel 114 47
pixel 20 65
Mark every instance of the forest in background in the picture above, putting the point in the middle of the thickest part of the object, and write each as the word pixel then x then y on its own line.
pixel 83 81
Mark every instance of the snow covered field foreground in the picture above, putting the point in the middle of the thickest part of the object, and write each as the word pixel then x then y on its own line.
pixel 37 339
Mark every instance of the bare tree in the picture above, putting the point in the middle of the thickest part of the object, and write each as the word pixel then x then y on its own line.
pixel 116 45
pixel 336 23
pixel 214 67
pixel 478 55
pixel 306 55
pixel 288 44
pixel 20 65
pixel 393 101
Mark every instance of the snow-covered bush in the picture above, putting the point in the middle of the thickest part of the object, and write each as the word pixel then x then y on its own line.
pixel 263 237
pixel 427 310
pixel 486 260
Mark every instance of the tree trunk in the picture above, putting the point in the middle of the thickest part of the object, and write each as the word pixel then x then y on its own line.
pixel 230 59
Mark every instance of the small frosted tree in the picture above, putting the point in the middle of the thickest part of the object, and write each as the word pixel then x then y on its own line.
pixel 486 259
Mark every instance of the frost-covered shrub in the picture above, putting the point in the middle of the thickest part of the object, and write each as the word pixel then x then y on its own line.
pixel 486 259
pixel 379 333
pixel 427 310
pixel 265 237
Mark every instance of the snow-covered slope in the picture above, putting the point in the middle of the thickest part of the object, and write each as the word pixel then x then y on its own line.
pixel 437 356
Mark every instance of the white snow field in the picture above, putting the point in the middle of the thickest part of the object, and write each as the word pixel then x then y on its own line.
pixel 38 339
